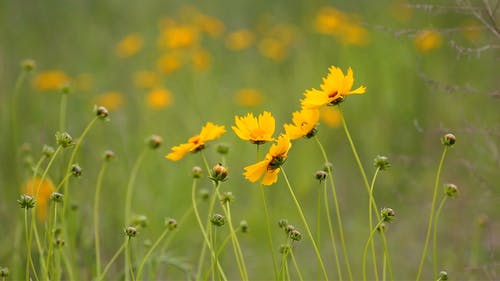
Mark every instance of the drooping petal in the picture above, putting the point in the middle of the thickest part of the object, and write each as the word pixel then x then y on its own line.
pixel 255 171
pixel 281 147
pixel 314 99
pixel 211 131
pixel 179 151
pixel 270 177
pixel 359 90
pixel 292 131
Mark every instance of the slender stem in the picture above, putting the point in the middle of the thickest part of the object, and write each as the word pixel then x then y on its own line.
pixel 130 185
pixel 365 251
pixel 297 268
pixel 434 240
pixel 387 260
pixel 60 185
pixel 128 253
pixel 150 251
pixel 97 243
pixel 337 210
pixel 283 266
pixel 304 221
pixel 51 238
pixel 17 88
pixel 431 216
pixel 62 112
pixel 67 265
pixel 113 259
pixel 269 233
pixel 29 260
pixel 330 229
pixel 370 220
pixel 318 223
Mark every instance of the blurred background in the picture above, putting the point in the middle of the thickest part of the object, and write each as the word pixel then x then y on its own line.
pixel 167 67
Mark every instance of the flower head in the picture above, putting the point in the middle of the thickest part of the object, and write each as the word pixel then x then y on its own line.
pixel 335 87
pixel 256 130
pixel 304 124
pixel 196 143
pixel 270 166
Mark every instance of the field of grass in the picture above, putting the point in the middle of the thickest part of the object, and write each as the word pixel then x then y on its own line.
pixel 166 68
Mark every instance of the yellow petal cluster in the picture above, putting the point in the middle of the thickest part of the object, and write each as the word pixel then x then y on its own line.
pixel 256 130
pixel 304 123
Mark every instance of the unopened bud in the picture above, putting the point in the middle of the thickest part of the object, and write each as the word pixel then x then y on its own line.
pixel 448 139
pixel 28 65
pixel 76 170
pixel 223 148
pixel 197 172
pixel 139 221
pixel 155 141
pixel 171 223
pixel 26 201
pixel 387 214
pixel 130 231
pixel 321 175
pixel 56 197
pixel 282 223
pixel 443 275
pixel 381 162
pixel 64 139
pixel 244 226
pixel 450 190
pixel 218 220
pixel 109 155
pixel 101 112
pixel 295 235
pixel 48 151
pixel 219 173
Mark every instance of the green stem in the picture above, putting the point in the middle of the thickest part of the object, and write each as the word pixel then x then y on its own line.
pixel 96 214
pixel 304 221
pixel 29 260
pixel 371 201
pixel 17 88
pixel 365 251
pixel 387 260
pixel 269 233
pixel 113 259
pixel 150 251
pixel 63 182
pixel 62 112
pixel 130 185
pixel 434 240
pixel 51 238
pixel 128 253
pixel 337 210
pixel 297 268
pixel 330 229
pixel 67 265
pixel 431 216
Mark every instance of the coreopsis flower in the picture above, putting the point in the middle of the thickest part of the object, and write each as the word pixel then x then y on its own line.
pixel 427 40
pixel 169 62
pixel 256 130
pixel 240 40
pixel 35 186
pixel 304 124
pixel 335 87
pixel 174 36
pixel 129 45
pixel 269 168
pixel 196 143
pixel 159 98
pixel 50 80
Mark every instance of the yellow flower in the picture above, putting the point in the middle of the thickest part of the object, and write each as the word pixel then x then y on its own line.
pixel 269 168
pixel 401 10
pixel 212 26
pixel 159 98
pixel 344 26
pixel 256 130
pixel 240 40
pixel 331 116
pixel 146 79
pixel 50 80
pixel 427 40
pixel 200 60
pixel 129 45
pixel 111 100
pixel 248 97
pixel 304 124
pixel 168 63
pixel 45 189
pixel 333 90
pixel 273 49
pixel 196 143
pixel 178 36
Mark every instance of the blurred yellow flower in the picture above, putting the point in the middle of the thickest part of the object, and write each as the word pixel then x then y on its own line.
pixel 400 10
pixel 159 98
pixel 345 27
pixel 240 40
pixel 210 25
pixel 44 189
pixel 269 168
pixel 129 45
pixel 256 130
pixel 168 63
pixel 333 90
pixel 427 40
pixel 111 100
pixel 328 20
pixel 331 116
pixel 175 36
pixel 196 143
pixel 304 124
pixel 201 60
pixel 248 97
pixel 146 79
pixel 273 49
pixel 50 80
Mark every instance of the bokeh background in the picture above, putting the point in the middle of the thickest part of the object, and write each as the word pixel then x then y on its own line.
pixel 167 67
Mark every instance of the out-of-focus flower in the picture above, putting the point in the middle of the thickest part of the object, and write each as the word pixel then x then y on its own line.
pixel 330 116
pixel 169 62
pixel 129 45
pixel 175 36
pixel 427 40
pixel 248 97
pixel 159 98
pixel 111 100
pixel 201 60
pixel 50 80
pixel 400 10
pixel 345 27
pixel 273 49
pixel 44 189
pixel 210 25
pixel 472 30
pixel 240 40
pixel 146 79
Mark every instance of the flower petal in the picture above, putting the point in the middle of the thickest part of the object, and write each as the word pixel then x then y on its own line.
pixel 270 177
pixel 314 99
pixel 255 171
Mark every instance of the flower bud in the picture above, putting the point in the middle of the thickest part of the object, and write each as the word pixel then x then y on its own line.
pixel 197 172
pixel 101 112
pixel 387 214
pixel 282 223
pixel 244 226
pixel 76 170
pixel 289 228
pixel 448 140
pixel 204 194
pixel 59 243
pixel 327 166
pixel 130 231
pixel 381 162
pixel 219 173
pixel 28 65
pixel 64 139
pixel 171 223
pixel 56 197
pixel 450 190
pixel 218 220
pixel 321 175
pixel 4 272
pixel 382 227
pixel 109 155
pixel 139 221
pixel 285 249
pixel 155 141
pixel 65 88
pixel 227 197
pixel 26 201
pixel 223 148
pixel 295 235
pixel 443 275
pixel 48 151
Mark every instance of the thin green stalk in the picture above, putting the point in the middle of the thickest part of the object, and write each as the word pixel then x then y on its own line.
pixel 130 185
pixel 39 246
pixel 297 268
pixel 282 274
pixel 330 229
pixel 113 259
pixel 150 251
pixel 130 265
pixel 434 240
pixel 269 233
pixel 63 182
pixel 431 216
pixel 51 238
pixel 67 265
pixel 29 260
pixel 17 88
pixel 62 112
pixel 180 223
pixel 387 260
pixel 97 194
pixel 371 201
pixel 318 224
pixel 304 221
pixel 365 251
pixel 337 210
pixel 204 233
